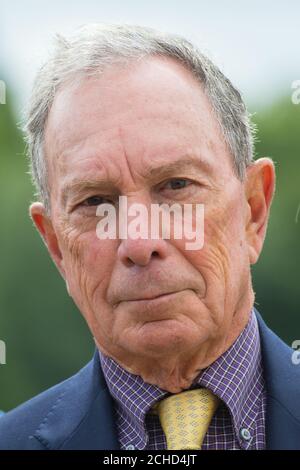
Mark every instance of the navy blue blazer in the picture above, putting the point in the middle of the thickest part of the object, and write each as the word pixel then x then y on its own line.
pixel 78 413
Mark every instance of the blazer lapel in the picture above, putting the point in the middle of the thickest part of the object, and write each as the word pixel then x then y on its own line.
pixel 82 418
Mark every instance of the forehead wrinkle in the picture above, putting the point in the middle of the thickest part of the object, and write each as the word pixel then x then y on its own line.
pixel 62 147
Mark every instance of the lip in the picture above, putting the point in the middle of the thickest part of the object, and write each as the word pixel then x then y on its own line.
pixel 155 309
pixel 154 298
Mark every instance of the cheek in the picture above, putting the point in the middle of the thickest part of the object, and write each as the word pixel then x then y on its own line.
pixel 224 245
pixel 88 265
pixel 224 227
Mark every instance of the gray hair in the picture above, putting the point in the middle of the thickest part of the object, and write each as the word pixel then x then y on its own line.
pixel 95 47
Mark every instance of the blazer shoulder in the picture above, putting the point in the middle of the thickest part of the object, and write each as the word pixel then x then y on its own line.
pixel 18 426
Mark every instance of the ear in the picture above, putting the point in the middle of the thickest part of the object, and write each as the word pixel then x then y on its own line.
pixel 44 225
pixel 259 187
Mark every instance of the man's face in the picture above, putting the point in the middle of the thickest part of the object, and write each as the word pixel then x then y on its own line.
pixel 148 132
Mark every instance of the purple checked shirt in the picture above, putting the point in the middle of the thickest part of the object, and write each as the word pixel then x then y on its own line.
pixel 236 378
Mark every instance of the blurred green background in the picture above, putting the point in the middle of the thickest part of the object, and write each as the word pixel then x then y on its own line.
pixel 46 338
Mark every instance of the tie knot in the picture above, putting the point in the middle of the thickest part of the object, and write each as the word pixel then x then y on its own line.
pixel 185 417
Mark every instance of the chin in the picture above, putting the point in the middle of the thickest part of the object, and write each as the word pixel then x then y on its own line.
pixel 161 340
pixel 165 334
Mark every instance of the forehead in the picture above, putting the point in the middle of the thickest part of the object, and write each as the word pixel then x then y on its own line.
pixel 146 110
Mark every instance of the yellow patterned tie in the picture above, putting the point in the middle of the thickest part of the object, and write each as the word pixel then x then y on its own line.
pixel 185 417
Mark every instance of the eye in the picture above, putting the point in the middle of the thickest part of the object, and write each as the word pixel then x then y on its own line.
pixel 95 201
pixel 177 183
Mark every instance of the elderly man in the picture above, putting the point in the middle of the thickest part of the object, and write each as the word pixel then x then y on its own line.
pixel 183 360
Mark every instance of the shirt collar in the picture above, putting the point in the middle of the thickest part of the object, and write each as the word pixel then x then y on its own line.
pixel 235 377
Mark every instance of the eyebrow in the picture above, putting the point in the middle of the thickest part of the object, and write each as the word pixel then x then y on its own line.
pixel 184 163
pixel 79 186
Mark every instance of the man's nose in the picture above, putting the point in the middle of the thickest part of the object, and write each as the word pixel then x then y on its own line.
pixel 141 251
